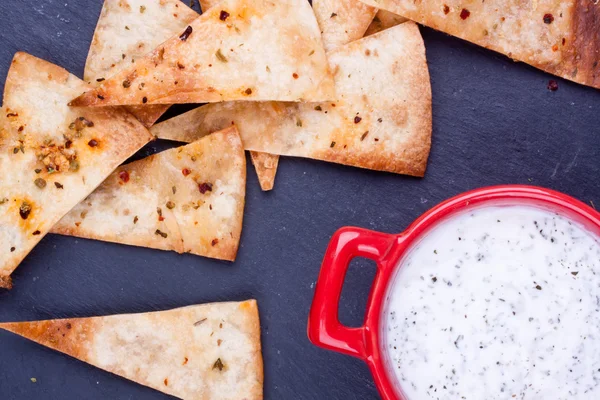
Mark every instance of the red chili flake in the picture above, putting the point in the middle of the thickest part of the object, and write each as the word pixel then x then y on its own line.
pixel 186 34
pixel 205 187
pixel 446 9
pixel 124 176
pixel 36 233
pixel 68 325
pixel 186 172
pixel 214 242
pixel 68 144
pixel 552 85
pixel 100 97
pixel 295 75
pixel 12 249
pixel 58 185
pixel 180 65
pixel 548 18
pixel 166 382
pixel 185 361
pixel 357 119
pixel 224 15
pixel 464 14
pixel 12 115
pixel 145 100
pixel 248 91
pixel 564 41
pixel 93 143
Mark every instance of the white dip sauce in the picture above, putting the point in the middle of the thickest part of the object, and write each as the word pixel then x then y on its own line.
pixel 497 303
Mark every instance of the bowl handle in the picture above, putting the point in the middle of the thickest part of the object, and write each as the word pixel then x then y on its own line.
pixel 324 327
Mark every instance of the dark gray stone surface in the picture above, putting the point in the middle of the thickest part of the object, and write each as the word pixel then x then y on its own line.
pixel 495 122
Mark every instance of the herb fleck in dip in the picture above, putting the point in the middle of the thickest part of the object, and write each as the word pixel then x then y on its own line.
pixel 498 303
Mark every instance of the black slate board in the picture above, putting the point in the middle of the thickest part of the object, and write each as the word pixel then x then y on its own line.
pixel 495 122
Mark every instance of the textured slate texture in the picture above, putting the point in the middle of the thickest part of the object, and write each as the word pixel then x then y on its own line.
pixel 494 122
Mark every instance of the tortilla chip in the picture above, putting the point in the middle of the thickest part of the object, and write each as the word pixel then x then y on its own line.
pixel 202 352
pixel 384 20
pixel 382 122
pixel 266 168
pixel 188 199
pixel 559 37
pixel 128 30
pixel 240 50
pixel 56 155
pixel 342 21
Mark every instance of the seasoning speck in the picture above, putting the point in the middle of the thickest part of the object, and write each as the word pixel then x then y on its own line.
pixel 223 15
pixel 205 187
pixel 464 14
pixel 186 34
pixel 548 18
pixel 40 183
pixel 218 364
pixel 552 85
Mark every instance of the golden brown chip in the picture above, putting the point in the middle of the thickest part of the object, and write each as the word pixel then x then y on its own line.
pixel 202 352
pixel 240 50
pixel 56 155
pixel 559 37
pixel 126 31
pixel 187 199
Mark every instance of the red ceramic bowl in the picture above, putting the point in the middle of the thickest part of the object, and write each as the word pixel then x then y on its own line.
pixel 324 328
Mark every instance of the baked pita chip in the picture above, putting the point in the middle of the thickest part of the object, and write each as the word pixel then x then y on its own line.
pixel 384 20
pixel 56 155
pixel 559 37
pixel 201 352
pixel 342 21
pixel 188 199
pixel 266 168
pixel 128 30
pixel 382 120
pixel 240 50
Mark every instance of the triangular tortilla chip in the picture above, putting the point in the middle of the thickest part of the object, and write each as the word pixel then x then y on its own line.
pixel 240 50
pixel 56 155
pixel 384 20
pixel 382 122
pixel 128 30
pixel 201 352
pixel 559 37
pixel 342 21
pixel 266 168
pixel 187 199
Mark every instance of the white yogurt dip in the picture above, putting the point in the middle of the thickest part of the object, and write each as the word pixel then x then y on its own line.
pixel 497 303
